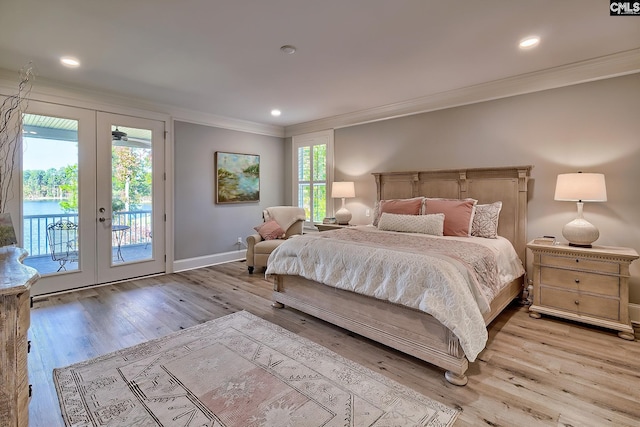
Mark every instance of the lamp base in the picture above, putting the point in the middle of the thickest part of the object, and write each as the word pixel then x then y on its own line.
pixel 577 245
pixel 580 232
pixel 343 216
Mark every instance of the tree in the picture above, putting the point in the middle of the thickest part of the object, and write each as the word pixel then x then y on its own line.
pixel 11 111
pixel 131 176
pixel 70 189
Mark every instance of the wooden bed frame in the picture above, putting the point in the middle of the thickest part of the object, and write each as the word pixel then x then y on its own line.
pixel 405 329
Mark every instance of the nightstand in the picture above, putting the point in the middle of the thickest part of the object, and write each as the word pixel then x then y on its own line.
pixel 327 227
pixel 589 285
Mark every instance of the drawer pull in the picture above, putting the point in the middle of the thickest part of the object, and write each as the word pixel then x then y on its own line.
pixel 577 302
pixel 577 260
pixel 577 280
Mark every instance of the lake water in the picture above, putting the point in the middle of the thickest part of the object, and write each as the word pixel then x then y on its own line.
pixel 44 207
pixel 41 207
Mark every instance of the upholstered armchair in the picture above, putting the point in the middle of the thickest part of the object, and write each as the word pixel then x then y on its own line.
pixel 280 223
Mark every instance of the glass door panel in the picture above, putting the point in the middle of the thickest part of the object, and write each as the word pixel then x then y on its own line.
pixel 58 225
pixel 130 196
pixel 50 192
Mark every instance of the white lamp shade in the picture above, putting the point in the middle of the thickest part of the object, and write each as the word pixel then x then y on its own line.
pixel 585 187
pixel 343 189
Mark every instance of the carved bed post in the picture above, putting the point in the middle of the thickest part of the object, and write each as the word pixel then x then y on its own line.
pixel 521 234
pixel 415 188
pixel 462 183
pixel 378 186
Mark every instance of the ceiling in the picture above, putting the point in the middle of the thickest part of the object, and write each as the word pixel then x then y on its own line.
pixel 222 57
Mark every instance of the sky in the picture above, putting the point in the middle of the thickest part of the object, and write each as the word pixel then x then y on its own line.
pixel 43 154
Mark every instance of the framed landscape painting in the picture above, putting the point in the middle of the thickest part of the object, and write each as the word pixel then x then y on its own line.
pixel 237 177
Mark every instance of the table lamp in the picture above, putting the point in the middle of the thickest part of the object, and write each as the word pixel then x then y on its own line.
pixel 343 190
pixel 581 187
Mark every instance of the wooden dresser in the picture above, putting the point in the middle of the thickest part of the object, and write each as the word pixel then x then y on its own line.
pixel 15 303
pixel 589 285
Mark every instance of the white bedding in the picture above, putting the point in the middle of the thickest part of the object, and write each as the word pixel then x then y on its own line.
pixel 385 265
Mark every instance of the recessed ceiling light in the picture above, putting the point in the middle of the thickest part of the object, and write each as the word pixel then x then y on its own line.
pixel 288 49
pixel 70 62
pixel 275 112
pixel 529 42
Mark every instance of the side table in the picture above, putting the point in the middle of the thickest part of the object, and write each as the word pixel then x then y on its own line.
pixel 589 285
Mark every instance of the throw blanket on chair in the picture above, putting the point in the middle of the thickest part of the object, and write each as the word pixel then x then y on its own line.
pixel 285 216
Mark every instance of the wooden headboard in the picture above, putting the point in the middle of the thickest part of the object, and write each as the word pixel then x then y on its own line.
pixel 487 185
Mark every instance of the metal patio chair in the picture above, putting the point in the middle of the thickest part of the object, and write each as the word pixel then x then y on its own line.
pixel 63 242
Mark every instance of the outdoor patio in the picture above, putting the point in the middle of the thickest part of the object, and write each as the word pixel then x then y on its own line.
pixel 130 253
pixel 131 239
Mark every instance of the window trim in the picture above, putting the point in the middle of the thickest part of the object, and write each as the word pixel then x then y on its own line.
pixel 310 139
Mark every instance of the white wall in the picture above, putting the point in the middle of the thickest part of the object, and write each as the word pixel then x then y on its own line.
pixel 592 127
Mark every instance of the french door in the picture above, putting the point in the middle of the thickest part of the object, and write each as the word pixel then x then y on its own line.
pixel 93 196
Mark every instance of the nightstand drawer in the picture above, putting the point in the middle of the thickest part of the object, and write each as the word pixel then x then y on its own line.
pixel 578 263
pixel 574 302
pixel 580 280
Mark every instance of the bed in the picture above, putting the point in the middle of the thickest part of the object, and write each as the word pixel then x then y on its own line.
pixel 410 329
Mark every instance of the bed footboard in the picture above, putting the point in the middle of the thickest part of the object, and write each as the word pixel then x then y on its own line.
pixel 405 329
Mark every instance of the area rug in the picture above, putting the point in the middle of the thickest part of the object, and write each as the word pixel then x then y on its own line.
pixel 238 370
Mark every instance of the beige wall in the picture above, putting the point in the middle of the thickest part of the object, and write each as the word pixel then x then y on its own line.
pixel 592 127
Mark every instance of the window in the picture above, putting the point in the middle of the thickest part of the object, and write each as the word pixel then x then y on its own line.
pixel 312 173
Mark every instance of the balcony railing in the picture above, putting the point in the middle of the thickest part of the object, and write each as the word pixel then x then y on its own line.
pixel 35 229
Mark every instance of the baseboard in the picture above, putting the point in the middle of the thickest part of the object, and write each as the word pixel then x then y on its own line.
pixel 634 314
pixel 205 261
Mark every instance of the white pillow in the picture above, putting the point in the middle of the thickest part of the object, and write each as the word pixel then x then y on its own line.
pixel 426 224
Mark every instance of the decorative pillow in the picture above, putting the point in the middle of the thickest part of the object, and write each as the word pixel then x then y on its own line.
pixel 397 206
pixel 485 220
pixel 458 214
pixel 425 224
pixel 270 230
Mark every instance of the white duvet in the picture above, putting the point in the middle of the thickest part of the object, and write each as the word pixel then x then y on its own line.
pixel 395 267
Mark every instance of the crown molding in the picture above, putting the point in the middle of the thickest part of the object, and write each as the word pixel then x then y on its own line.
pixel 609 66
pixel 58 93
pixel 200 118
pixel 54 92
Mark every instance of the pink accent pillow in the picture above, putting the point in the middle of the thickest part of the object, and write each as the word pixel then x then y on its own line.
pixel 399 206
pixel 270 230
pixel 458 214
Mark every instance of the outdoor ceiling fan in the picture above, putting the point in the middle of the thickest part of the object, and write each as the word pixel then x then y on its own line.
pixel 121 139
pixel 118 135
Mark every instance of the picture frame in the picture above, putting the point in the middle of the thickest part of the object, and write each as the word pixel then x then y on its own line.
pixel 237 177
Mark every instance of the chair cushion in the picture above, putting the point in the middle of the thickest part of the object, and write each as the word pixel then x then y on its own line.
pixel 266 246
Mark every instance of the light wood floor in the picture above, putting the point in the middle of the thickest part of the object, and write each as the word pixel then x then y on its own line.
pixel 541 372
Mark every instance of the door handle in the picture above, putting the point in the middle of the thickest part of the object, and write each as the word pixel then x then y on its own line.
pixel 103 219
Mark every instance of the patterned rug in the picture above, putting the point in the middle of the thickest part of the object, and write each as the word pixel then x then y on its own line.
pixel 238 370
